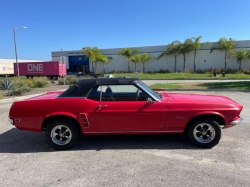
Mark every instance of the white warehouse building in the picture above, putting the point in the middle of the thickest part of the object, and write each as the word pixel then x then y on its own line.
pixel 205 59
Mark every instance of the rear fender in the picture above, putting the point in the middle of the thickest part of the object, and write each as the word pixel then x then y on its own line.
pixel 57 114
pixel 62 113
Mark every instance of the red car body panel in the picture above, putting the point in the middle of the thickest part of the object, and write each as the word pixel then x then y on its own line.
pixel 187 106
pixel 170 115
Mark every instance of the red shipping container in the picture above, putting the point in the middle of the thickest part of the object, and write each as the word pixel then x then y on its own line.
pixel 51 68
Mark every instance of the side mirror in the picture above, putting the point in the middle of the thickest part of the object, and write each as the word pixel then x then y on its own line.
pixel 149 100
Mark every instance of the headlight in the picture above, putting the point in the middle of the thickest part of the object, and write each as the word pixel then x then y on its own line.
pixel 11 121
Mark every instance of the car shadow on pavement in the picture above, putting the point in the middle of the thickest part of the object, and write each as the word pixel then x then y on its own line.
pixel 17 141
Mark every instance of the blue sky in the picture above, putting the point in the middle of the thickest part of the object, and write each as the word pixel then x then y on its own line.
pixel 53 25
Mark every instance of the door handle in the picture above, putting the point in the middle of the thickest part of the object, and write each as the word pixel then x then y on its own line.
pixel 101 106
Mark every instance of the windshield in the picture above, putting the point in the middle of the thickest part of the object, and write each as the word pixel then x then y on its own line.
pixel 149 91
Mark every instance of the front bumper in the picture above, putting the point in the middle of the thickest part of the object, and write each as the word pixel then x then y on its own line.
pixel 235 122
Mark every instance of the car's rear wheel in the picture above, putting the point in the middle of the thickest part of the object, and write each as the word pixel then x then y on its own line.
pixel 61 134
pixel 204 133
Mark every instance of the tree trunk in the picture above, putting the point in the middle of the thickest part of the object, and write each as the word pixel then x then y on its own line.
pixel 143 67
pixel 184 63
pixel 128 66
pixel 135 66
pixel 90 63
pixel 239 65
pixel 225 68
pixel 103 68
pixel 195 61
pixel 92 66
pixel 175 63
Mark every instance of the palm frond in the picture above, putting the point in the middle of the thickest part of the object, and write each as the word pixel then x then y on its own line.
pixel 215 48
pixel 162 54
pixel 135 58
pixel 128 52
pixel 241 54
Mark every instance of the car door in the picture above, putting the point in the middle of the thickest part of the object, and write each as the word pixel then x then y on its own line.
pixel 124 108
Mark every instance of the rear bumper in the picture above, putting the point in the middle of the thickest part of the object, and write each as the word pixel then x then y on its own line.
pixel 11 121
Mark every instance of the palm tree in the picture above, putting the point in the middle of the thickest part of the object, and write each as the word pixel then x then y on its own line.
pixel 241 54
pixel 248 53
pixel 144 58
pixel 173 49
pixel 128 53
pixel 196 45
pixel 103 59
pixel 92 53
pixel 248 57
pixel 136 59
pixel 225 45
pixel 185 48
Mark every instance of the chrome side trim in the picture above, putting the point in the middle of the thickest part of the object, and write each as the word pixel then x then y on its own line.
pixel 235 122
pixel 114 132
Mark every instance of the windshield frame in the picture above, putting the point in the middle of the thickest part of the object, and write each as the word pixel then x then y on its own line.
pixel 149 91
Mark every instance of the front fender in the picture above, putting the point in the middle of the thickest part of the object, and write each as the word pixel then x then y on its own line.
pixel 206 113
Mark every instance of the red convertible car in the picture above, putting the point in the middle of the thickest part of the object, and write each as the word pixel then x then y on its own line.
pixel 123 106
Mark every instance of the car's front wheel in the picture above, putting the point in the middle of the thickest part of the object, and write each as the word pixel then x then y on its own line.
pixel 61 134
pixel 204 133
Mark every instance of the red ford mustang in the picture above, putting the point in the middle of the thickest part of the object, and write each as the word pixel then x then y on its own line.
pixel 123 106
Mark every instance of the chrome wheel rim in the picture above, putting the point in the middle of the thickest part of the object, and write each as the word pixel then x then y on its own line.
pixel 204 133
pixel 61 135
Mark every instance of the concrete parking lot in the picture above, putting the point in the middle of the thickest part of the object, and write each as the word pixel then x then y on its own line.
pixel 157 160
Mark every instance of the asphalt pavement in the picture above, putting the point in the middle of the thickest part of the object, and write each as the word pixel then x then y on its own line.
pixel 149 160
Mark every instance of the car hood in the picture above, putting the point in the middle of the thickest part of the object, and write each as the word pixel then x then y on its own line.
pixel 199 99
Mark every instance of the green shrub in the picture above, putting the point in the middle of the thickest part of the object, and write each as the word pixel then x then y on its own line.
pixel 40 82
pixel 70 79
pixel 6 84
pixel 29 83
pixel 20 82
pixel 188 71
pixel 200 71
pixel 85 77
pixel 61 82
pixel 244 70
pixel 230 71
pixel 17 91
pixel 162 71
pixel 247 72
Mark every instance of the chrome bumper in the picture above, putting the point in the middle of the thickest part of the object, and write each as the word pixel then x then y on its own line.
pixel 236 121
pixel 11 121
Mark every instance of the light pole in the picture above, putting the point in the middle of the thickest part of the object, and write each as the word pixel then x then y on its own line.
pixel 14 31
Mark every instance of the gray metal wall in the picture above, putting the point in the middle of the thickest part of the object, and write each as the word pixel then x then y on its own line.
pixel 205 59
